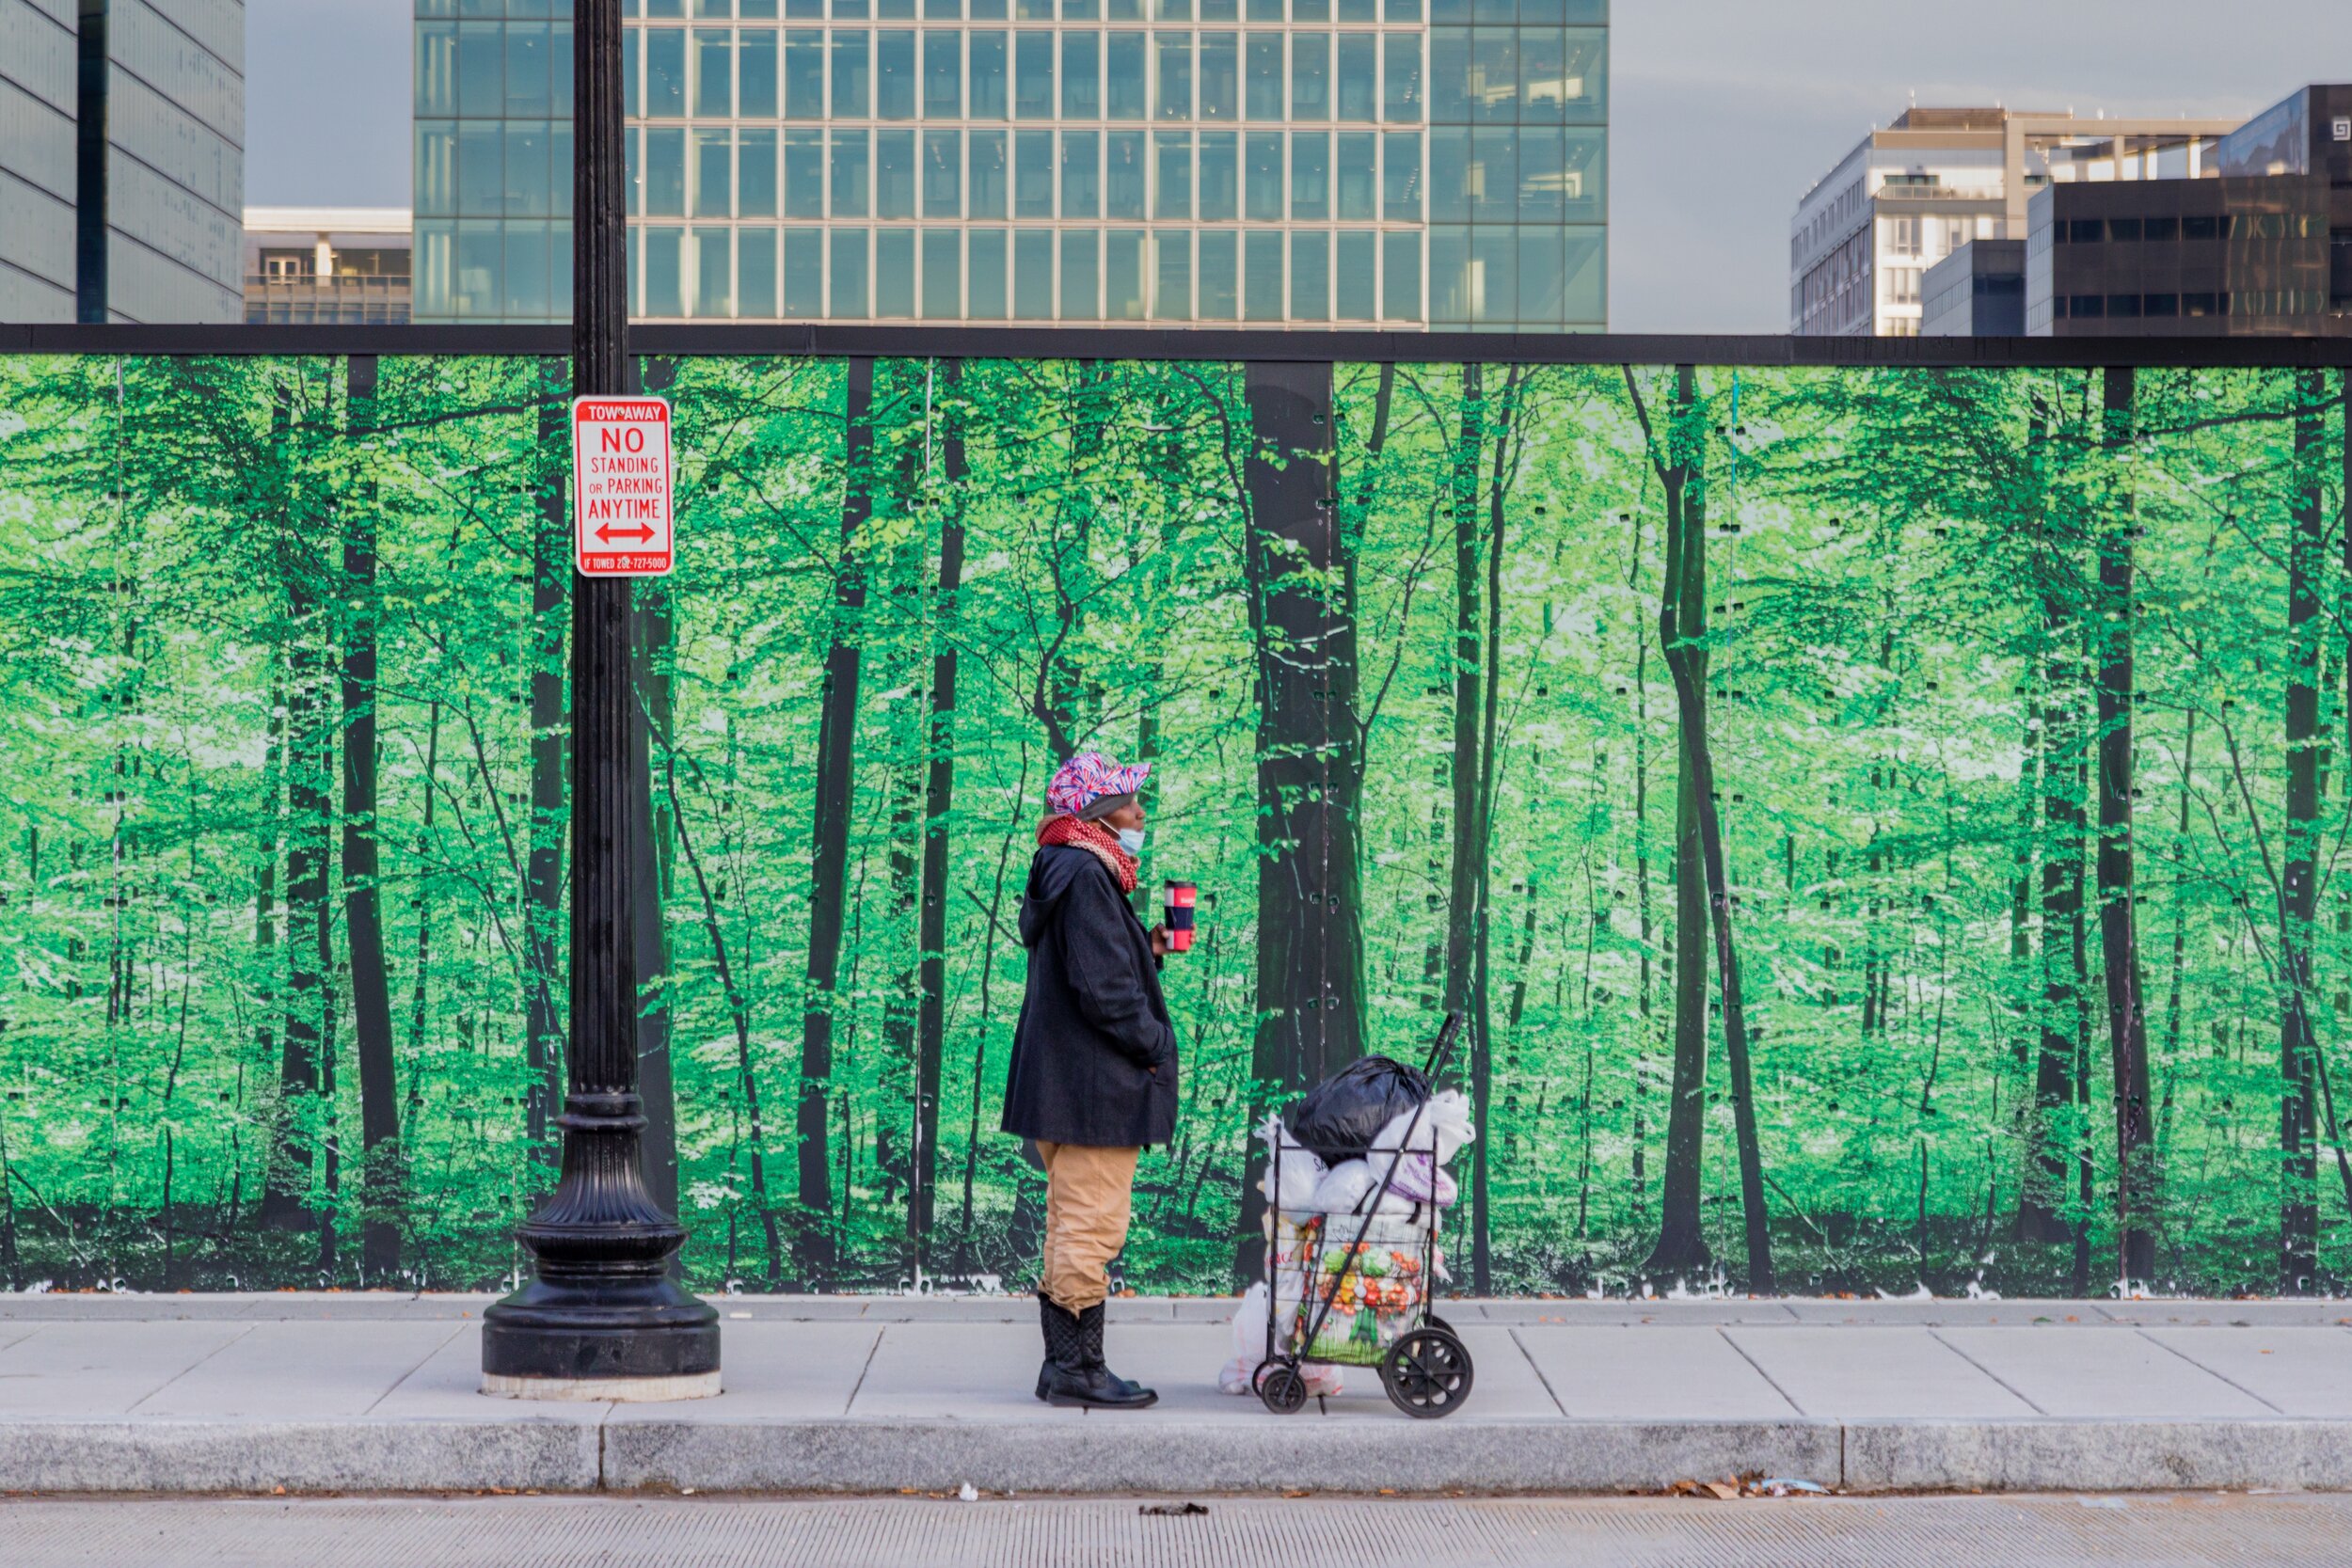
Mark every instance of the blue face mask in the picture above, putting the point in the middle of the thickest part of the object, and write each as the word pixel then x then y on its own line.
pixel 1131 840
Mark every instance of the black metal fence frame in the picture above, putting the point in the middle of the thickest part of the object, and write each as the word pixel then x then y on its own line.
pixel 1205 345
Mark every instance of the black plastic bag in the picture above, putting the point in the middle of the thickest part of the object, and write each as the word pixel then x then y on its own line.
pixel 1339 1118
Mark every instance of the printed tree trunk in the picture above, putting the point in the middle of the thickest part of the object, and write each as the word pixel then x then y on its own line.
pixel 2041 1198
pixel 417 995
pixel 363 912
pixel 1703 894
pixel 1310 963
pixel 655 868
pixel 309 803
pixel 739 1016
pixel 938 806
pixel 2085 1196
pixel 1482 1058
pixel 1681 1248
pixel 268 818
pixel 10 1268
pixel 813 1239
pixel 543 918
pixel 2118 939
pixel 906 722
pixel 1647 1029
pixel 1467 785
pixel 2298 1206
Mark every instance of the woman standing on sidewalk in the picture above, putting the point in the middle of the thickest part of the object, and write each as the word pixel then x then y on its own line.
pixel 1093 1072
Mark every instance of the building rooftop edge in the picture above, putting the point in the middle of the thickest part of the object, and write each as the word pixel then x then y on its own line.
pixel 361 220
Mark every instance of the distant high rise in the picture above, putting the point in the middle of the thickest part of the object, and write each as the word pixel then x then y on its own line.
pixel 1908 196
pixel 1410 163
pixel 121 160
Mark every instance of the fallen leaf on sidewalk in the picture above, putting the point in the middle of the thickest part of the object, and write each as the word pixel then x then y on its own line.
pixel 1173 1511
pixel 1720 1491
pixel 1293 1494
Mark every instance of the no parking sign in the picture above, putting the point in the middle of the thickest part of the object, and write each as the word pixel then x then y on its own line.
pixel 621 486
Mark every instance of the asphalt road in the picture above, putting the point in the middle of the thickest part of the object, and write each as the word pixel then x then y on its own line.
pixel 2148 1531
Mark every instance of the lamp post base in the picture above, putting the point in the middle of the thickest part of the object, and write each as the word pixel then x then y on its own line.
pixel 612 1332
pixel 620 1390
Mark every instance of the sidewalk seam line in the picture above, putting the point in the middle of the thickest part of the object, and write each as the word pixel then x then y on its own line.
pixel 1723 1333
pixel 2210 1373
pixel 1533 1366
pixel 133 1408
pixel 454 1330
pixel 871 1351
pixel 1937 1335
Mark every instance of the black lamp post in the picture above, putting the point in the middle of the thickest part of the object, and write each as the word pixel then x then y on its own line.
pixel 602 1319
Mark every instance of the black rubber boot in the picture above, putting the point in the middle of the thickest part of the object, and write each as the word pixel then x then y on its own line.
pixel 1046 1313
pixel 1074 1373
pixel 1090 1330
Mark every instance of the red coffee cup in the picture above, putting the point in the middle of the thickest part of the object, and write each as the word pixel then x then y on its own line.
pixel 1180 899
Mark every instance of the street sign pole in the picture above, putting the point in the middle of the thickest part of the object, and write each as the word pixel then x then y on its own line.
pixel 601 1318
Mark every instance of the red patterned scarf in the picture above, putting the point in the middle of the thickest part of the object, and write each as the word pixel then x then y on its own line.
pixel 1095 840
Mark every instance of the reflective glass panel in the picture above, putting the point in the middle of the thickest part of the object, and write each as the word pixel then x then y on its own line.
pixel 1081 75
pixel 1125 87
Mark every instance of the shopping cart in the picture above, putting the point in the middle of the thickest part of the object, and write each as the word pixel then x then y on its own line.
pixel 1365 1302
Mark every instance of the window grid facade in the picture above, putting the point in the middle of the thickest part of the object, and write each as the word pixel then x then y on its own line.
pixel 1166 160
pixel 493 160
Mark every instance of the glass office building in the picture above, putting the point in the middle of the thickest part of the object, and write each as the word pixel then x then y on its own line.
pixel 493 161
pixel 121 160
pixel 1404 163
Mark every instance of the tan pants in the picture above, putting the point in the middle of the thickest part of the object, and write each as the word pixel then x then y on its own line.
pixel 1087 1192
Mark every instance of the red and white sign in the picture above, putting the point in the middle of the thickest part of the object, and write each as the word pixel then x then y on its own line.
pixel 621 486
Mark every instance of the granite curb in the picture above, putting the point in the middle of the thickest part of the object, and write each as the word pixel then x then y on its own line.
pixel 2139 1455
pixel 156 1456
pixel 646 1452
pixel 1261 1456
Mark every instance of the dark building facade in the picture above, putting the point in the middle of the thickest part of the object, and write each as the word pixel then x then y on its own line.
pixel 1978 291
pixel 2263 247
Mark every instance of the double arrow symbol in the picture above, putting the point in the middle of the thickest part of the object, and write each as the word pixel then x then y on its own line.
pixel 606 533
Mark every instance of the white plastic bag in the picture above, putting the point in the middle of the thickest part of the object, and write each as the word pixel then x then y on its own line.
pixel 1249 1351
pixel 1348 1189
pixel 1446 1117
pixel 1301 1169
pixel 1406 1142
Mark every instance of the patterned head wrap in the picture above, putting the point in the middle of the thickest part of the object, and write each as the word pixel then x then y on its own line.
pixel 1089 777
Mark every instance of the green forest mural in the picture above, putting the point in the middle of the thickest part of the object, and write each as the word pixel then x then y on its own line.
pixel 1886 828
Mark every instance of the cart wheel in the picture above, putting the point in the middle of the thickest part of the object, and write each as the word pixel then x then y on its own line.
pixel 1427 1372
pixel 1433 1321
pixel 1283 1388
pixel 1257 1379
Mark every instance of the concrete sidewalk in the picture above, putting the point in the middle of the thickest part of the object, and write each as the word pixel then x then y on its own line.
pixel 375 1393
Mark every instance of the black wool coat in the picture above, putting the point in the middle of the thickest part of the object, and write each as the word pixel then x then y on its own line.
pixel 1094 1055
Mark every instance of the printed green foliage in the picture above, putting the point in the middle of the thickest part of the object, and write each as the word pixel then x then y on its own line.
pixel 1996 734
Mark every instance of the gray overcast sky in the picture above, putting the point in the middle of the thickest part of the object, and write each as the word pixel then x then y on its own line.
pixel 1724 110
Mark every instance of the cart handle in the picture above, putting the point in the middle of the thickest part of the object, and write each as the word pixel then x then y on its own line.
pixel 1443 1050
